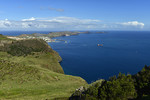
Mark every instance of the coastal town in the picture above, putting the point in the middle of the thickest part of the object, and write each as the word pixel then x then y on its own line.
pixel 47 39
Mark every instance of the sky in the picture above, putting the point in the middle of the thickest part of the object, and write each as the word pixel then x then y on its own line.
pixel 66 15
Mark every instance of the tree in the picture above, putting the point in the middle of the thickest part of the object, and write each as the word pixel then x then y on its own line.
pixel 121 88
pixel 142 83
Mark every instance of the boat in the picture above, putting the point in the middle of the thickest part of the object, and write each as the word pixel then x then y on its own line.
pixel 100 45
pixel 66 42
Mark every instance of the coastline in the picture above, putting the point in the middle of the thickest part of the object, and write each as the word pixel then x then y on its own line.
pixel 50 36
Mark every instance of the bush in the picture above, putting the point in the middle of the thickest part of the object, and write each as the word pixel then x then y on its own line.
pixel 121 88
pixel 93 89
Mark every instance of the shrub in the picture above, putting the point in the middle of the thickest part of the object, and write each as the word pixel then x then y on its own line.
pixel 121 88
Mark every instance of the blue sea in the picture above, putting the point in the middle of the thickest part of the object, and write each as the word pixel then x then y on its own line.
pixel 122 51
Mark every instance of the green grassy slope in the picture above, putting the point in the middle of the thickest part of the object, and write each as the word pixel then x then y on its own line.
pixel 35 76
pixel 31 82
pixel 2 37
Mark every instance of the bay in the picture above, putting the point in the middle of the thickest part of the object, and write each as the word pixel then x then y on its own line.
pixel 122 51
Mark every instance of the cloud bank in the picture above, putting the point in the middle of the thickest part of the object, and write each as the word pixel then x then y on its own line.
pixel 133 23
pixel 66 23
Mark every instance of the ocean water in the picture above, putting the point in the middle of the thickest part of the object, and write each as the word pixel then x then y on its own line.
pixel 122 51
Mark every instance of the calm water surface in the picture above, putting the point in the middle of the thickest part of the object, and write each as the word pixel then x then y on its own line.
pixel 125 52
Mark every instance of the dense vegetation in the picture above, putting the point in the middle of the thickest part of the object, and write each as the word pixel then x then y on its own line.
pixel 123 87
pixel 142 83
pixel 26 47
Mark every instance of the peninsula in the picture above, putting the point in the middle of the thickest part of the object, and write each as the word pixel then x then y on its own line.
pixel 49 37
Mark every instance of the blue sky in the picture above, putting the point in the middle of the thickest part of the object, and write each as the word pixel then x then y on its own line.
pixel 74 15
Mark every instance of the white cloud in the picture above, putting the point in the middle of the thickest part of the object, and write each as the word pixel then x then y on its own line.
pixel 26 25
pixel 50 23
pixel 66 23
pixel 5 23
pixel 70 20
pixel 133 23
pixel 30 19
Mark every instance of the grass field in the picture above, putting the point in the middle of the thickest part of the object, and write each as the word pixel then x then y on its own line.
pixel 28 78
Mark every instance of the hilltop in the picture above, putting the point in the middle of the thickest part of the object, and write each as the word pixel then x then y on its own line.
pixel 30 69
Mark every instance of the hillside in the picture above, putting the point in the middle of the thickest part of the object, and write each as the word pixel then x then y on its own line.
pixel 2 37
pixel 30 69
